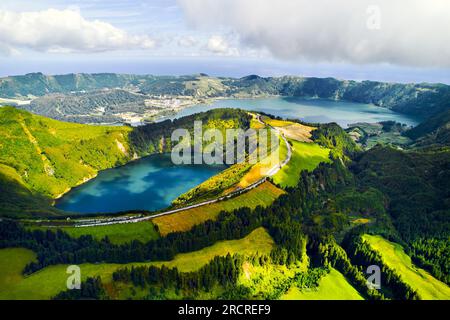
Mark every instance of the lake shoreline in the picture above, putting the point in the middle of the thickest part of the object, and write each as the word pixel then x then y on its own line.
pixel 307 109
pixel 136 182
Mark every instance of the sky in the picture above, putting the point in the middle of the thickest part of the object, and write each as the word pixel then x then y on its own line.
pixel 386 40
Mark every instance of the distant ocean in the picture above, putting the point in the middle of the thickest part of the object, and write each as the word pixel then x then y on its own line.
pixel 227 67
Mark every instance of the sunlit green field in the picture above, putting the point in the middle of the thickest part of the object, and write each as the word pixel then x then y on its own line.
pixel 305 156
pixel 47 282
pixel 117 233
pixel 428 287
pixel 12 262
pixel 333 286
pixel 257 241
pixel 263 195
pixel 51 156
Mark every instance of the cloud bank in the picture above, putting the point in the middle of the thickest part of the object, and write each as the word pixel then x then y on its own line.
pixel 64 31
pixel 219 45
pixel 402 32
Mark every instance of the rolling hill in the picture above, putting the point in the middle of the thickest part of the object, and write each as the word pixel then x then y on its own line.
pixel 415 99
pixel 42 158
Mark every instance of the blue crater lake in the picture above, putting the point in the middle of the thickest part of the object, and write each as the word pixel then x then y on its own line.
pixel 153 182
pixel 150 183
pixel 309 110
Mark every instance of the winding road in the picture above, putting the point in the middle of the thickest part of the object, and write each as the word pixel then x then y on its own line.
pixel 270 173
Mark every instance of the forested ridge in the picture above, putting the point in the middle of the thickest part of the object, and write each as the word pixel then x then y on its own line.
pixel 42 158
pixel 156 137
pixel 402 194
pixel 416 99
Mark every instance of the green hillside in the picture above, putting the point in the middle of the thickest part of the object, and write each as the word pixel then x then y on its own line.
pixel 41 158
pixel 117 233
pixel 434 131
pixel 44 158
pixel 395 258
pixel 416 184
pixel 332 286
pixel 47 282
pixel 310 241
pixel 305 156
pixel 418 99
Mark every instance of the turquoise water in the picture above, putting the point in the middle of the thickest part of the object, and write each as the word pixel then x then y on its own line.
pixel 309 110
pixel 154 182
pixel 150 183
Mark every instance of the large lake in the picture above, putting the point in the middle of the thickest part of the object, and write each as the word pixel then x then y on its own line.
pixel 154 182
pixel 309 110
pixel 150 183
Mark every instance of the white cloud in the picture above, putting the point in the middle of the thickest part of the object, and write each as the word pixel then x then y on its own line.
pixel 412 32
pixel 187 41
pixel 64 31
pixel 218 45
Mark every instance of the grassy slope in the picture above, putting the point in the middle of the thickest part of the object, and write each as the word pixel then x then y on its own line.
pixel 48 157
pixel 12 262
pixel 214 186
pixel 117 233
pixel 333 286
pixel 263 195
pixel 257 241
pixel 261 169
pixel 305 156
pixel 15 196
pixel 395 257
pixel 47 282
pixel 292 130
pixel 276 122
pixel 261 280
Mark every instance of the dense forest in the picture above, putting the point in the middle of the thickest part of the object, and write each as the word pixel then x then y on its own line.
pixel 403 194
pixel 156 137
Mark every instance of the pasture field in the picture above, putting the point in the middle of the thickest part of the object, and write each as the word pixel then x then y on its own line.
pixel 47 282
pixel 305 156
pixel 257 241
pixel 292 130
pixel 117 233
pixel 297 132
pixel 332 286
pixel 214 186
pixel 255 124
pixel 393 255
pixel 12 262
pixel 51 156
pixel 276 122
pixel 262 195
pixel 262 168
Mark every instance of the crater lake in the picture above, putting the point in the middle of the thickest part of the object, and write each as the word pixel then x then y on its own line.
pixel 150 183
